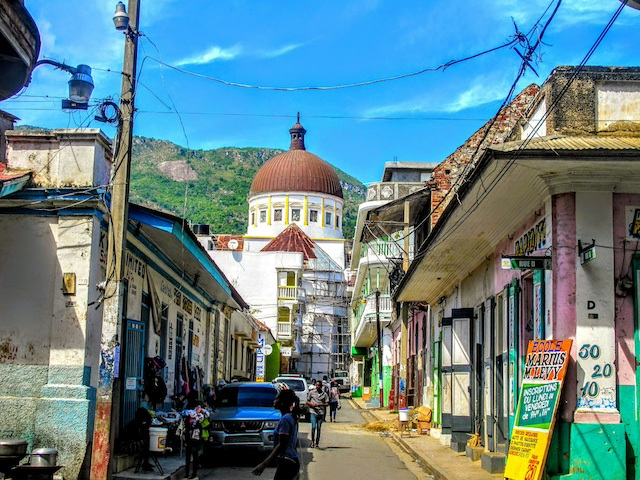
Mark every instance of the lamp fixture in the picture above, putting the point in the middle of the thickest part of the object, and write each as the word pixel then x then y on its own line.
pixel 120 18
pixel 633 4
pixel 80 85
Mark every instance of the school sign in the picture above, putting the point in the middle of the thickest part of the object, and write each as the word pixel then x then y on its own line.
pixel 544 371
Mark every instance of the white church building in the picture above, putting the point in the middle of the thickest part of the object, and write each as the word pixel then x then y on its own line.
pixel 289 267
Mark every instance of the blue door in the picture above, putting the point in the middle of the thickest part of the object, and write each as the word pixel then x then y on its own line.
pixel 133 370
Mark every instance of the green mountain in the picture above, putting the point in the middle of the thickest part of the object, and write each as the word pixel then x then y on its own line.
pixel 211 186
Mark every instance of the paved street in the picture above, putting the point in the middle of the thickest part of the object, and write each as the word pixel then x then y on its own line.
pixel 347 451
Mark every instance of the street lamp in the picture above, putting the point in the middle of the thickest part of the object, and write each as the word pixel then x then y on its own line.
pixel 633 4
pixel 121 19
pixel 80 85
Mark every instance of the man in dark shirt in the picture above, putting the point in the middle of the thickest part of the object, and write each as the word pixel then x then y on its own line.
pixel 317 401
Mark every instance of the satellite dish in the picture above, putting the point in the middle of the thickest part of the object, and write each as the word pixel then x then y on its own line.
pixel 233 244
pixel 267 350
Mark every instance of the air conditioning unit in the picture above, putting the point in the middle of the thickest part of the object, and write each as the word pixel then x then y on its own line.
pixel 201 229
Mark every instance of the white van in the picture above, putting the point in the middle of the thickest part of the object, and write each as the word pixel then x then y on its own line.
pixel 298 384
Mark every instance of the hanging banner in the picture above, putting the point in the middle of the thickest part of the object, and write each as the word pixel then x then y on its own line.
pixel 261 362
pixel 544 371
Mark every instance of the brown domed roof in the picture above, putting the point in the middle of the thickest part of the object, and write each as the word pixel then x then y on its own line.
pixel 296 171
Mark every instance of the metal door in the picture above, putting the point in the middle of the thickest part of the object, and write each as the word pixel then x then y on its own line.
pixel 489 378
pixel 446 370
pixel 461 377
pixel 133 370
pixel 501 389
pixel 437 394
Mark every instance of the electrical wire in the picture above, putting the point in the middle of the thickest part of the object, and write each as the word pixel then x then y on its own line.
pixel 522 39
pixel 442 67
pixel 531 135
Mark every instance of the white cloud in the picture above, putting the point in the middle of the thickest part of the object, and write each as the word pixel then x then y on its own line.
pixel 279 51
pixel 217 53
pixel 211 55
pixel 571 12
pixel 480 93
pixel 47 37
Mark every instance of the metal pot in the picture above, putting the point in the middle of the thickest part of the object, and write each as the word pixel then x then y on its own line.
pixel 44 457
pixel 13 447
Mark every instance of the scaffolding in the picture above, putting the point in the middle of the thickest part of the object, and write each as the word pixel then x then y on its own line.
pixel 325 339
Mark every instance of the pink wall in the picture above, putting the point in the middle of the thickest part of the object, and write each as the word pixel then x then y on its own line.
pixel 504 277
pixel 624 321
pixel 563 224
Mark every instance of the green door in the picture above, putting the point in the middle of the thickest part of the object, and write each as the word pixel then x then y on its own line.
pixel 513 290
pixel 437 368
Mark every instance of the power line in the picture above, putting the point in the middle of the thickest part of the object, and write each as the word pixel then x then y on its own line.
pixel 442 67
pixel 532 134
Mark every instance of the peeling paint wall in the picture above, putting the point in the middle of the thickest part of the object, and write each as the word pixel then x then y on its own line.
pixel 46 353
pixel 182 302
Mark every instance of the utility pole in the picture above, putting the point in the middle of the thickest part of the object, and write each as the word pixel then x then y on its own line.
pixel 113 345
pixel 404 328
pixel 379 347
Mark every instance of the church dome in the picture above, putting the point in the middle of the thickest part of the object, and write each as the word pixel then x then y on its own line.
pixel 296 171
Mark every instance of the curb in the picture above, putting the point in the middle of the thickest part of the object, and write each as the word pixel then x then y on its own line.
pixel 429 468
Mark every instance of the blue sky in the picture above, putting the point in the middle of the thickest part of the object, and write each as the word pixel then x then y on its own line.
pixel 323 43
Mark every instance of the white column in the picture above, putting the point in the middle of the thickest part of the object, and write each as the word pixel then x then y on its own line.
pixel 595 311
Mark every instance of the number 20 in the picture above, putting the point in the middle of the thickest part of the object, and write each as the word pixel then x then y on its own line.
pixel 606 372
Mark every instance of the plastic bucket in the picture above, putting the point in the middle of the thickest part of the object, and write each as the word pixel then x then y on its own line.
pixel 403 414
pixel 157 439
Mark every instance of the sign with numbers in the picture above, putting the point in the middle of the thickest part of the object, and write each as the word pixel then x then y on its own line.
pixel 544 370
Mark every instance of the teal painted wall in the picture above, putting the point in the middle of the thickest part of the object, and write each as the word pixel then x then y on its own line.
pixel 629 414
pixel 387 374
pixel 386 380
pixel 592 452
pixel 51 407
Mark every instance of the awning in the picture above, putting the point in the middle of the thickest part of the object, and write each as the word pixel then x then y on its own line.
pixel 10 183
pixel 179 246
pixel 507 187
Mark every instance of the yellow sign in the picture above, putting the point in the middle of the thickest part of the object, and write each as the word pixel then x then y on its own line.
pixel 544 370
pixel 527 451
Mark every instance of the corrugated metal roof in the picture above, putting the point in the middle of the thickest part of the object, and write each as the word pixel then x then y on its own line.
pixel 563 143
pixel 292 239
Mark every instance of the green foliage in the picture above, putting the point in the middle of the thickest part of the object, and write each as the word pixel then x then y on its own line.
pixel 218 196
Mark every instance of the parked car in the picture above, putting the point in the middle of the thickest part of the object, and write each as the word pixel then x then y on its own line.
pixel 244 416
pixel 298 384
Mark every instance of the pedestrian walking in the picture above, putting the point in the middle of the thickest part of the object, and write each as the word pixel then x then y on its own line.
pixel 334 401
pixel 193 417
pixel 285 438
pixel 317 400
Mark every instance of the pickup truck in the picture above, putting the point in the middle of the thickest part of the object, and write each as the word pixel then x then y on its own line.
pixel 341 379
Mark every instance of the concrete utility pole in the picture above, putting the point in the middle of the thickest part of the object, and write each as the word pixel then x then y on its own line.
pixel 380 376
pixel 113 345
pixel 404 328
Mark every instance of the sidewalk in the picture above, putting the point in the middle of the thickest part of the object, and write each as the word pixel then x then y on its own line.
pixel 436 459
pixel 172 466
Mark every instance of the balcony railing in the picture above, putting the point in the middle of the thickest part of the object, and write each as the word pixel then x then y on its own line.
pixel 365 327
pixel 392 190
pixel 367 309
pixel 381 250
pixel 290 293
pixel 284 330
